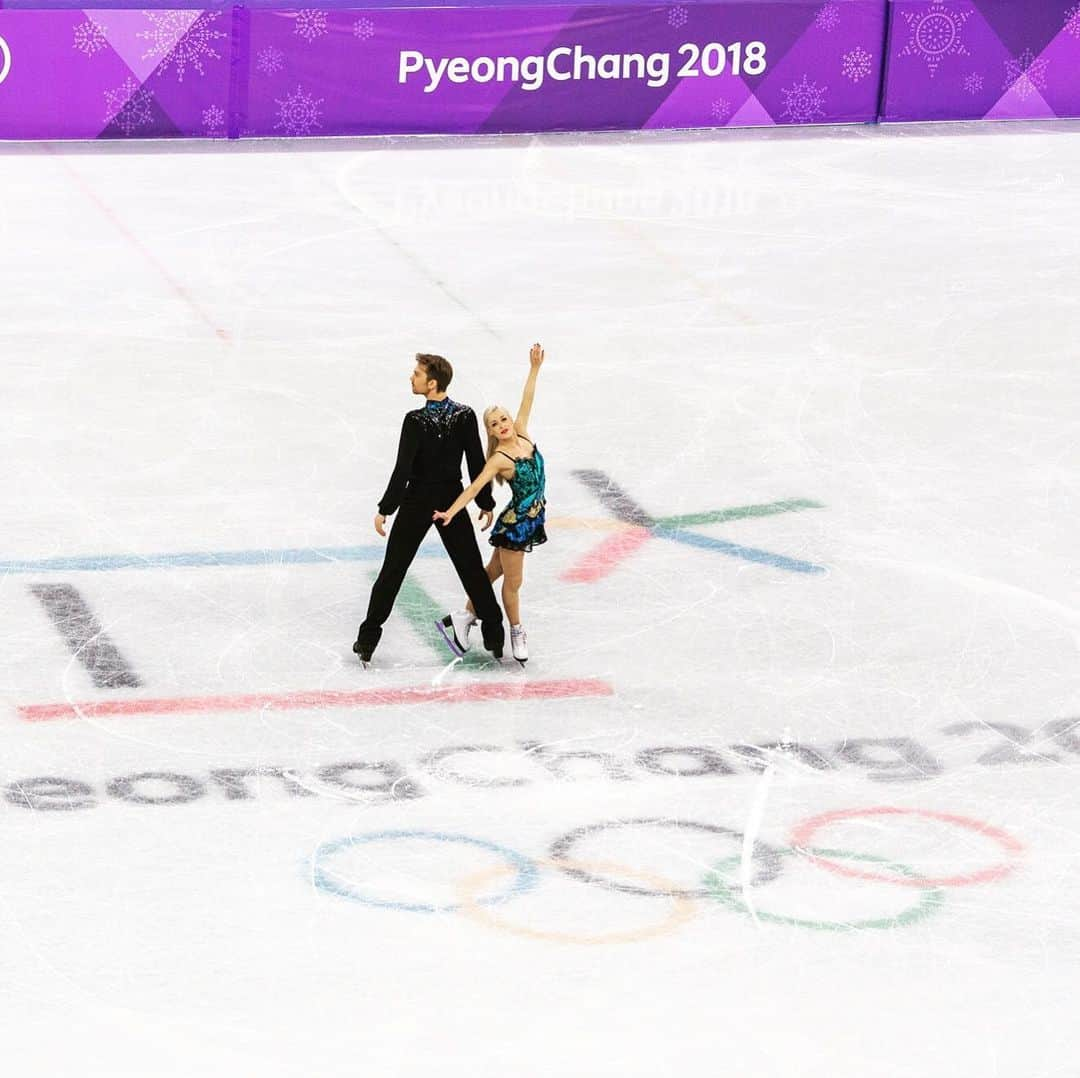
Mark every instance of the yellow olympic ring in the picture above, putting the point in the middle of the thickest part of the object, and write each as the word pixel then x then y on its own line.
pixel 682 908
pixel 589 524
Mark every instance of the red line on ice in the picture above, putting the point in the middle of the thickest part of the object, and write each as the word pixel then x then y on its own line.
pixel 142 248
pixel 294 701
pixel 603 559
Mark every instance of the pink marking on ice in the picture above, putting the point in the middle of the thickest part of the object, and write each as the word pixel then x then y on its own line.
pixel 603 559
pixel 321 699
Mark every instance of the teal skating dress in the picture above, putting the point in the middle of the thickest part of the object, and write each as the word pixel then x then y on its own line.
pixel 521 525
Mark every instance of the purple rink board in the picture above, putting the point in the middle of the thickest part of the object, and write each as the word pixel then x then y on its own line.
pixel 259 70
pixel 134 69
pixel 982 60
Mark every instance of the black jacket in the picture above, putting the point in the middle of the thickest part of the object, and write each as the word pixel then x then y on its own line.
pixel 433 440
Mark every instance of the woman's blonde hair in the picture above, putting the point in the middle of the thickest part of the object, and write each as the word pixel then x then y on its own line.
pixel 493 442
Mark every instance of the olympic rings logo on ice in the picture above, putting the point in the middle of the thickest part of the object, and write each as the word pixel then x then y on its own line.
pixel 724 882
pixel 5 60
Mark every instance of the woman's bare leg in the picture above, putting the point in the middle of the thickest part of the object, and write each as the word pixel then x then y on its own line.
pixel 513 568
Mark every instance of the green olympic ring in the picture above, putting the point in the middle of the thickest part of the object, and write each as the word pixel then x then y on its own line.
pixel 930 902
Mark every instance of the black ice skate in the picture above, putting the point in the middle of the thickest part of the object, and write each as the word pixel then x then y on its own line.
pixel 364 652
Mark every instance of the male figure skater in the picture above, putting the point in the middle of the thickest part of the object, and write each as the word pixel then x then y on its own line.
pixel 426 478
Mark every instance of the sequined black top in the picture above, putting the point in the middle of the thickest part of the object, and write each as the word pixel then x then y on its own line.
pixel 433 440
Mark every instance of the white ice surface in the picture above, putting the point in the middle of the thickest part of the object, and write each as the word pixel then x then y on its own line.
pixel 208 350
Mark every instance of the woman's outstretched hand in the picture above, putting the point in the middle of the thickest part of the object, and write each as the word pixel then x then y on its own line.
pixel 441 518
pixel 536 355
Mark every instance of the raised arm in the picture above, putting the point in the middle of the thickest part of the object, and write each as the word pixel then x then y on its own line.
pixel 470 492
pixel 536 359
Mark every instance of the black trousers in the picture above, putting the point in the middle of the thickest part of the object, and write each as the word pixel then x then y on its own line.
pixel 406 534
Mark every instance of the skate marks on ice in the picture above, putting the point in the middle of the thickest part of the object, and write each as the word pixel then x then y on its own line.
pixel 633 526
pixel 641 526
pixel 753 829
pixel 70 614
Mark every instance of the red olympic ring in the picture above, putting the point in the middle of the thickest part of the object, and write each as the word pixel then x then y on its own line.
pixel 802 837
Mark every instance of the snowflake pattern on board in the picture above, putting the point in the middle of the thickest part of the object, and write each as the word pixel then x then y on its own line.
pixel 804 101
pixel 129 106
pixel 828 18
pixel 89 38
pixel 936 31
pixel 1026 74
pixel 298 113
pixel 720 110
pixel 310 24
pixel 677 16
pixel 363 29
pixel 974 83
pixel 178 44
pixel 270 60
pixel 857 64
pixel 1072 20
pixel 213 121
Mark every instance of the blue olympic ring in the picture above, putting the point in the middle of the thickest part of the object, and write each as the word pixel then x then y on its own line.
pixel 526 879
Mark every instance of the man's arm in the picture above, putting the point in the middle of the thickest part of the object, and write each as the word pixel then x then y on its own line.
pixel 482 480
pixel 474 459
pixel 408 445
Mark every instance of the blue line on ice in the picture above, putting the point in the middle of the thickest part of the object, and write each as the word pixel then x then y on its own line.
pixel 209 558
pixel 749 553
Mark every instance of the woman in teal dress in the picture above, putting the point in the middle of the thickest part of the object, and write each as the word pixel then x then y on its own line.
pixel 512 458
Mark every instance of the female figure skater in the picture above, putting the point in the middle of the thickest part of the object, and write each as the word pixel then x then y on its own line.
pixel 513 458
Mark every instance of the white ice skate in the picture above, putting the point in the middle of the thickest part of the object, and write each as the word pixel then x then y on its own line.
pixel 455 630
pixel 519 643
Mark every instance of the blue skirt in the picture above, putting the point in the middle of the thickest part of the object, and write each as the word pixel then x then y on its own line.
pixel 513 532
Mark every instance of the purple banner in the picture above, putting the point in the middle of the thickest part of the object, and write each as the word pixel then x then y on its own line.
pixel 115 74
pixel 564 68
pixel 240 71
pixel 989 59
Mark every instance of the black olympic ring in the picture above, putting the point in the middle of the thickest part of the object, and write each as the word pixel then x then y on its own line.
pixel 769 858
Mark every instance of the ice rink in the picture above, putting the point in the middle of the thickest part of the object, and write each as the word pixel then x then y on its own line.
pixel 789 785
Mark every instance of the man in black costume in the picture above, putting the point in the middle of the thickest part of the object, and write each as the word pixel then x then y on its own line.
pixel 426 478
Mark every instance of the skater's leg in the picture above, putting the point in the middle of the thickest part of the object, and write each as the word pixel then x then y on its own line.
pixel 406 535
pixel 460 541
pixel 494 571
pixel 513 563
